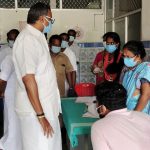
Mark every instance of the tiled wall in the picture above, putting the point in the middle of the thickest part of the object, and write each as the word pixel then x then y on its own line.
pixel 147 47
pixel 87 56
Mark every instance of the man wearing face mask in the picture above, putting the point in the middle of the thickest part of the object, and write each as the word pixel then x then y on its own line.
pixel 68 52
pixel 61 63
pixel 119 129
pixel 11 37
pixel 37 95
pixel 75 48
pixel 12 137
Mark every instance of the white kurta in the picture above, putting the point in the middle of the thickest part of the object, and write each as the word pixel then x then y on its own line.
pixel 12 138
pixel 31 56
pixel 76 49
pixel 70 54
pixel 4 51
pixel 122 130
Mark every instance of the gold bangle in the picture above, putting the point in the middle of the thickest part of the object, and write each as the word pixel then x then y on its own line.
pixel 39 117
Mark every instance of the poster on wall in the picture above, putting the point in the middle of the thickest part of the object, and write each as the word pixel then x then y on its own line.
pixel 80 32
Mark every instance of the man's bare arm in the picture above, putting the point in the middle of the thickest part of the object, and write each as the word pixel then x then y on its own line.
pixel 32 91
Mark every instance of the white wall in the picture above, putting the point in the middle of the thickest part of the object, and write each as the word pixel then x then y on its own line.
pixel 91 22
pixel 145 34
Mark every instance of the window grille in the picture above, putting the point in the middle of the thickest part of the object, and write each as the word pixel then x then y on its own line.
pixel 7 3
pixel 29 3
pixel 81 4
pixel 66 4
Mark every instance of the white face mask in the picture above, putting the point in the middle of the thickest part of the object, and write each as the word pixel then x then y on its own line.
pixel 11 43
pixel 92 109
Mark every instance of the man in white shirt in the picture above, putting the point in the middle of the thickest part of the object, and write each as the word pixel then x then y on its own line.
pixel 11 138
pixel 7 49
pixel 37 96
pixel 76 49
pixel 68 52
pixel 72 44
pixel 120 129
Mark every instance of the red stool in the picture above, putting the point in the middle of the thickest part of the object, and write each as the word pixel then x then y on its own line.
pixel 85 89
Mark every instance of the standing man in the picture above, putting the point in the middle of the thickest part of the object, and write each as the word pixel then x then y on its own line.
pixel 37 96
pixel 76 49
pixel 68 52
pixel 61 63
pixel 11 139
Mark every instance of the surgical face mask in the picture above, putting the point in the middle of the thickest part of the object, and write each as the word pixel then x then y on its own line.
pixel 104 44
pixel 55 49
pixel 111 48
pixel 71 38
pixel 64 44
pixel 47 29
pixel 129 62
pixel 11 43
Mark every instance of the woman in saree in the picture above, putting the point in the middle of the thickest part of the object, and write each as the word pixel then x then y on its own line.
pixel 108 63
pixel 135 77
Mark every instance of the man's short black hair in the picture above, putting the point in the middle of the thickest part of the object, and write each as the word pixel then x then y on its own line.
pixel 37 10
pixel 64 34
pixel 13 31
pixel 111 94
pixel 73 31
pixel 54 37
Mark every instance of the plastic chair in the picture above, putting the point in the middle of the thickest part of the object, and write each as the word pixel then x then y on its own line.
pixel 85 89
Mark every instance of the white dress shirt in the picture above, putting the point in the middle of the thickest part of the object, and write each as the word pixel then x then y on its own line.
pixel 71 57
pixel 76 49
pixel 4 51
pixel 122 130
pixel 31 56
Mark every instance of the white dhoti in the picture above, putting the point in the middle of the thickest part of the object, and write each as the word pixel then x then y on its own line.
pixel 33 135
pixel 12 138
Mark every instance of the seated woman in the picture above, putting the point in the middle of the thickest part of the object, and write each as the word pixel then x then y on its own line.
pixel 105 61
pixel 135 77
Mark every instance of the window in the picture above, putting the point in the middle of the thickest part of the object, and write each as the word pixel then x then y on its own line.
pixel 55 4
pixel 124 6
pixel 124 17
pixel 7 4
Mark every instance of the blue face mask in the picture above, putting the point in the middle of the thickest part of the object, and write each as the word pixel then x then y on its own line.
pixel 129 62
pixel 110 48
pixel 47 29
pixel 71 38
pixel 11 43
pixel 64 44
pixel 55 49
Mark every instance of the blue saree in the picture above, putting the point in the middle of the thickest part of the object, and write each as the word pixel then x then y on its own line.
pixel 132 81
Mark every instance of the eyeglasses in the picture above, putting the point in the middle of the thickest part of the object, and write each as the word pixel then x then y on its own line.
pixel 49 19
